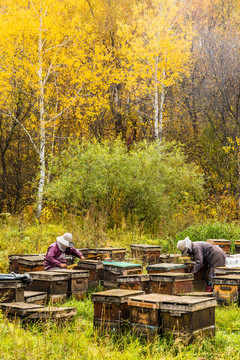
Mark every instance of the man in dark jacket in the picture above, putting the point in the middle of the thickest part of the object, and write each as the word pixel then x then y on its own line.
pixel 203 253
pixel 55 257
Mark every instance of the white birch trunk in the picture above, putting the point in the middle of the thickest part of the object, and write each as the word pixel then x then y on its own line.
pixel 42 127
pixel 156 106
pixel 162 98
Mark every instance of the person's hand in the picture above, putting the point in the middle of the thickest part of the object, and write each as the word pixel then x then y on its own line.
pixel 63 266
pixel 82 257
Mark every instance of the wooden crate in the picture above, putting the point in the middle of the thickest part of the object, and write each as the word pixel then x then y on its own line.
pixel 13 261
pixel 134 282
pixel 116 254
pixel 30 263
pixel 34 312
pixel 54 283
pixel 114 269
pixel 200 294
pixel 226 288
pixel 146 253
pixel 95 268
pixel 11 290
pixel 77 283
pixel 145 314
pixel 170 258
pixel 111 309
pixel 165 267
pixel 171 283
pixel 188 317
pixel 35 297
pixel 223 270
pixel 225 245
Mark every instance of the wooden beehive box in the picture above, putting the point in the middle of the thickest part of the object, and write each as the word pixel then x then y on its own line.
pixel 171 283
pixel 170 258
pixel 55 284
pixel 145 315
pixel 114 269
pixel 225 245
pixel 77 283
pixel 237 246
pixel 11 290
pixel 200 294
pixel 95 268
pixel 113 253
pixel 188 316
pixel 35 297
pixel 13 261
pixel 111 309
pixel 222 270
pixel 134 282
pixel 226 287
pixel 146 253
pixel 30 263
pixel 165 267
pixel 34 312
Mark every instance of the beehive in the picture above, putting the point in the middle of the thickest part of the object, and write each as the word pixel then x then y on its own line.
pixel 55 284
pixel 223 270
pixel 13 261
pixel 134 282
pixel 165 267
pixel 95 268
pixel 171 283
pixel 34 312
pixel 77 282
pixel 200 278
pixel 225 245
pixel 237 246
pixel 170 258
pixel 35 297
pixel 114 269
pixel 114 253
pixel 226 287
pixel 30 263
pixel 11 290
pixel 111 309
pixel 146 253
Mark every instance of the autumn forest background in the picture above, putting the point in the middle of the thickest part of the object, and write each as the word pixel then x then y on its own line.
pixel 123 112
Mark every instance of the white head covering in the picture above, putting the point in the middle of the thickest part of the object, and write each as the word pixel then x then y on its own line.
pixel 184 245
pixel 65 240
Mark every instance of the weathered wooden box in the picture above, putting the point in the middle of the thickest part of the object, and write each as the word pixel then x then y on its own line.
pixel 54 283
pixel 134 282
pixel 226 288
pixel 114 269
pixel 113 253
pixel 170 258
pixel 188 317
pixel 95 268
pixel 77 282
pixel 146 253
pixel 13 261
pixel 223 270
pixel 200 294
pixel 11 290
pixel 200 278
pixel 224 244
pixel 111 309
pixel 237 246
pixel 165 267
pixel 34 312
pixel 145 314
pixel 171 283
pixel 35 297
pixel 30 263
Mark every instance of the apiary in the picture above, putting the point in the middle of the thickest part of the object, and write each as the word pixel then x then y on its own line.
pixel 171 283
pixel 114 269
pixel 170 258
pixel 35 297
pixel 34 312
pixel 225 245
pixel 111 309
pixel 165 267
pixel 146 253
pixel 77 282
pixel 11 290
pixel 95 268
pixel 188 316
pixel 226 287
pixel 134 282
pixel 54 283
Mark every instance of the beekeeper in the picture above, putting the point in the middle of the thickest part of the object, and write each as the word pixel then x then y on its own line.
pixel 203 253
pixel 55 257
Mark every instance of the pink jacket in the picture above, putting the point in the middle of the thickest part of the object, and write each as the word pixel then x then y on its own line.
pixel 54 256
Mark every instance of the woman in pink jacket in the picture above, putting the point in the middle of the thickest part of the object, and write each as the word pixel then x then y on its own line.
pixel 56 255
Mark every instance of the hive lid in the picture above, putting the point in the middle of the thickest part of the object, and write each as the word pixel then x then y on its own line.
pixel 187 303
pixel 171 277
pixel 18 308
pixel 152 301
pixel 219 241
pixel 133 278
pixel 120 264
pixel 115 295
pixel 145 246
pixel 74 274
pixel 166 266
pixel 230 279
pixel 49 275
pixel 31 260
pixel 90 263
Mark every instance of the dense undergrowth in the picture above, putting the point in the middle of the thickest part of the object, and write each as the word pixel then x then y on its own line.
pixel 78 339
